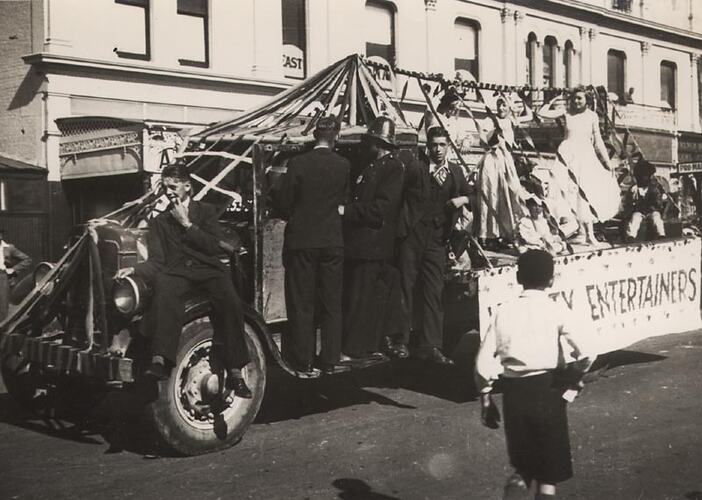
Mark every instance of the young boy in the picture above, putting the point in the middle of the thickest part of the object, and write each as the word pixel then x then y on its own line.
pixel 533 231
pixel 522 345
pixel 645 201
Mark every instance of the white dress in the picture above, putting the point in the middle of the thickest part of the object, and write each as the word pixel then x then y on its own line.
pixel 597 183
pixel 501 197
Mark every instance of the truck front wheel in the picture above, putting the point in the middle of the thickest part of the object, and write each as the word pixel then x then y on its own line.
pixel 189 414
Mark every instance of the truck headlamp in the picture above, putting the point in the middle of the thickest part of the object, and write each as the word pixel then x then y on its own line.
pixel 129 295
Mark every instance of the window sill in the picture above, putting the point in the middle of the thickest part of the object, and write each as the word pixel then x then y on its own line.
pixel 196 64
pixel 132 55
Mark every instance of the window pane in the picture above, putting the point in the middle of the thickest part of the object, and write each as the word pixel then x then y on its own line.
pixel 467 50
pixel 699 88
pixel 192 7
pixel 616 62
pixel 131 35
pixel 294 39
pixel 378 22
pixel 191 37
pixel 668 70
pixel 548 65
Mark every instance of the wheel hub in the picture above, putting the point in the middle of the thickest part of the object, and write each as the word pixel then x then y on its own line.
pixel 199 387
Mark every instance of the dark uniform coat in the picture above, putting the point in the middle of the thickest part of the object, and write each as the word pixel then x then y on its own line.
pixel 371 282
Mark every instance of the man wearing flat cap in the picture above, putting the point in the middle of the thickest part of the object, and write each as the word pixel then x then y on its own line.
pixel 370 227
pixel 645 202
pixel 312 190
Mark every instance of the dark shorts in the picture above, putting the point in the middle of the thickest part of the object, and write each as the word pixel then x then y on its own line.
pixel 536 428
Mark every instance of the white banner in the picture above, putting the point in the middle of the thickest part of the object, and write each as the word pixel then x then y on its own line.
pixel 626 294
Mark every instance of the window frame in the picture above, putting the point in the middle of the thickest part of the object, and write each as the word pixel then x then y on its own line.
pixel 624 62
pixel 673 65
pixel 146 56
pixel 390 7
pixel 206 33
pixel 304 37
pixel 475 25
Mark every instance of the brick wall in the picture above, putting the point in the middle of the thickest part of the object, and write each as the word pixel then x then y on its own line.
pixel 20 106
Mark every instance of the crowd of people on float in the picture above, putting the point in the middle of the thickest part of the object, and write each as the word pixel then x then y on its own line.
pixel 362 236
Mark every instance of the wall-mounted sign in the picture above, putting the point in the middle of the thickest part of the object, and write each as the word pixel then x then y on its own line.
pixel 689 148
pixel 293 61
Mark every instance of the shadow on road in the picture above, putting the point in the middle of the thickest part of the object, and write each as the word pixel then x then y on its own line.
pixel 355 489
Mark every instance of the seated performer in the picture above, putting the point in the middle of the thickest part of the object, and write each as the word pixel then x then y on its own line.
pixel 458 128
pixel 534 232
pixel 645 201
pixel 184 249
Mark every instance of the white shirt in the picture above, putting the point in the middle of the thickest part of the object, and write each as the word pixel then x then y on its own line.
pixel 524 338
pixel 3 245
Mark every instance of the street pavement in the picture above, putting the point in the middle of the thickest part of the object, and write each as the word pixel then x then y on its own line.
pixel 400 431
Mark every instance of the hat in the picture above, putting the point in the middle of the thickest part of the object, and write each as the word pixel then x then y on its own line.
pixel 327 124
pixel 644 167
pixel 383 130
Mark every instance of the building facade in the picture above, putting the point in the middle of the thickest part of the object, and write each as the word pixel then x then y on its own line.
pixel 95 90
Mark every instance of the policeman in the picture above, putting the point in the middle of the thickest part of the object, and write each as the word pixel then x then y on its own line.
pixel 371 282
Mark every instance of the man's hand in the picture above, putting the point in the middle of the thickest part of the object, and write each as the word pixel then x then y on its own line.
pixel 10 271
pixel 124 272
pixel 458 202
pixel 489 414
pixel 341 209
pixel 180 214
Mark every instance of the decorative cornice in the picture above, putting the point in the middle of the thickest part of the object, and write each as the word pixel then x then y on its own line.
pixel 694 58
pixel 431 4
pixel 593 33
pixel 583 31
pixel 100 143
pixel 645 47
pixel 506 14
pixel 518 16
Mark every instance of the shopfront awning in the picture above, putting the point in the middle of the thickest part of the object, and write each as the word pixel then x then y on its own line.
pixel 99 146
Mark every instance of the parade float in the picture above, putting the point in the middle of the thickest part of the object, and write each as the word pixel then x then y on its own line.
pixel 79 323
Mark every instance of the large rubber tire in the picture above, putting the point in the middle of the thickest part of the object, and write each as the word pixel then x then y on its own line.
pixel 169 414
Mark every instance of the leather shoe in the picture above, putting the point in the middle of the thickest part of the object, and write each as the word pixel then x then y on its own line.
pixel 157 371
pixel 331 368
pixel 395 349
pixel 434 355
pixel 305 368
pixel 237 385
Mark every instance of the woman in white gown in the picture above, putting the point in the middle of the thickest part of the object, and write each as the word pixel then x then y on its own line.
pixel 501 197
pixel 593 190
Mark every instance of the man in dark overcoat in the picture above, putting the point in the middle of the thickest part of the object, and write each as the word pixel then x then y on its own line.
pixel 312 191
pixel 435 191
pixel 370 230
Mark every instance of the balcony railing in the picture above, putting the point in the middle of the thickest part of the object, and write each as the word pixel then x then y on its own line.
pixel 643 116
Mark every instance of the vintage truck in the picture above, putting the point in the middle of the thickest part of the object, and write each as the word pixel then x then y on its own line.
pixel 80 327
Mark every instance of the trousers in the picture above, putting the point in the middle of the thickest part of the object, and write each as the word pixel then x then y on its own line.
pixel 422 258
pixel 168 315
pixel 654 219
pixel 371 304
pixel 313 285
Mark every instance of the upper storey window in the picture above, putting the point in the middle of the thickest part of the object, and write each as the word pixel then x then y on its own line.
pixel 135 31
pixel 193 33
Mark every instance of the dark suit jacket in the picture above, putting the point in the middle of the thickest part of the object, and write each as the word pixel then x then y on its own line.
pixel 417 183
pixel 370 219
pixel 311 191
pixel 171 246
